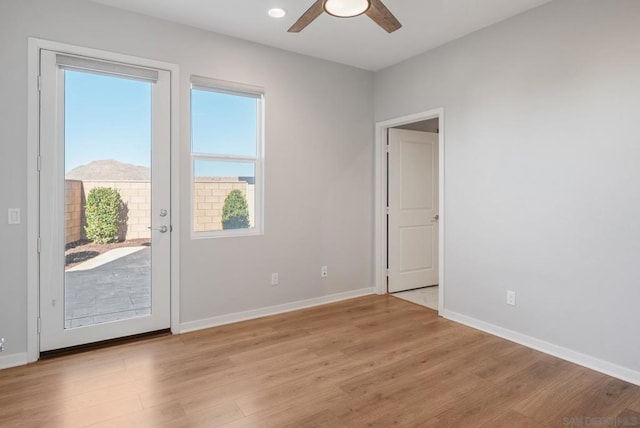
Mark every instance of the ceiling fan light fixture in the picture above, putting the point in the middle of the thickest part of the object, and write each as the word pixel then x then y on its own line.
pixel 346 8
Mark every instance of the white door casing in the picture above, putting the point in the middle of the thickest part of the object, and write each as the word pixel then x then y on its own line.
pixel 52 199
pixel 413 210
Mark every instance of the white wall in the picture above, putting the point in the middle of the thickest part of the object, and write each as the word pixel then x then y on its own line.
pixel 542 171
pixel 319 164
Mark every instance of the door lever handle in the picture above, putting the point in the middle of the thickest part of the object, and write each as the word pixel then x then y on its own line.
pixel 161 229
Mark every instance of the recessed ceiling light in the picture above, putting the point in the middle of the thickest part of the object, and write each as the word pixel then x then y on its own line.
pixel 277 12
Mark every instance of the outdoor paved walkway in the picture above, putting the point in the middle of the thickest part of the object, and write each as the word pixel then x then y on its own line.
pixel 113 291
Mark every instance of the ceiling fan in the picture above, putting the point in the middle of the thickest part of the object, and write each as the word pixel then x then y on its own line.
pixel 374 9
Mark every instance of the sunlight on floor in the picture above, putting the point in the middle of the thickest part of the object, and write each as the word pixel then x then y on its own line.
pixel 427 296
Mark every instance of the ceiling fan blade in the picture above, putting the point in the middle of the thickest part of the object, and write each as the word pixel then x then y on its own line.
pixel 308 17
pixel 382 16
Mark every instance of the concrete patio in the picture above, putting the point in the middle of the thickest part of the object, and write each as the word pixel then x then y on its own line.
pixel 118 289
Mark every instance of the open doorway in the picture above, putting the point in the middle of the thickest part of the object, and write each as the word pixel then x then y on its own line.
pixel 412 218
pixel 409 224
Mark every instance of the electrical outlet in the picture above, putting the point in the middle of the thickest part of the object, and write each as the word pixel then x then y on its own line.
pixel 1 344
pixel 511 298
pixel 275 279
pixel 323 272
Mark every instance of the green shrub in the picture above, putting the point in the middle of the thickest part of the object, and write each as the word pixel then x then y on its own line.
pixel 235 212
pixel 102 212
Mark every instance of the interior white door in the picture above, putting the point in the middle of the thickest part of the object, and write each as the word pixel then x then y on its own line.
pixel 413 210
pixel 84 104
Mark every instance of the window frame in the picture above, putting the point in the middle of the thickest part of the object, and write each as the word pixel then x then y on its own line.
pixel 230 88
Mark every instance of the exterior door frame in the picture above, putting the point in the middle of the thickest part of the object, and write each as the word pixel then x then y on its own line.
pixel 380 200
pixel 33 209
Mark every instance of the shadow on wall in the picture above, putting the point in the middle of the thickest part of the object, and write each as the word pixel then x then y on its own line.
pixel 123 219
pixel 135 214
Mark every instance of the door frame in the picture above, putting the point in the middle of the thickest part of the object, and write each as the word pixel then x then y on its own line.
pixel 380 200
pixel 33 190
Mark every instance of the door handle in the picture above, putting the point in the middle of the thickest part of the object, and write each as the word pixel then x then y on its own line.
pixel 161 229
pixel 436 217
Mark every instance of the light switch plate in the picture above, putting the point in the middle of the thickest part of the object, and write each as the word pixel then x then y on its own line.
pixel 14 215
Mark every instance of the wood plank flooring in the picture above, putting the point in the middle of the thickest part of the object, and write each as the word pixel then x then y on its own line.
pixel 375 361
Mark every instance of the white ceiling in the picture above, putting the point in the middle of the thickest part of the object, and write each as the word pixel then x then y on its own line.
pixel 354 41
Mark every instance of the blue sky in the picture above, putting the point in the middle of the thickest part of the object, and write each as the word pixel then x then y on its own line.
pixel 110 118
pixel 106 118
pixel 223 124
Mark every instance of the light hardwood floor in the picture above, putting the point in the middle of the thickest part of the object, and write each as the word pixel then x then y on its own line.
pixel 371 361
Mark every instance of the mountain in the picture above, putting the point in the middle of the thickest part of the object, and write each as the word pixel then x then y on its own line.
pixel 107 170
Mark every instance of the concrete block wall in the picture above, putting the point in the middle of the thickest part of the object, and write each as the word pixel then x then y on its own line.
pixel 73 213
pixel 208 197
pixel 208 200
pixel 136 196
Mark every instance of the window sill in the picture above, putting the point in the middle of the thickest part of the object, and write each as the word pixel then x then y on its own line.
pixel 226 234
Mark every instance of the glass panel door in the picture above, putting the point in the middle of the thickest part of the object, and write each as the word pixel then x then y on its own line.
pixel 104 204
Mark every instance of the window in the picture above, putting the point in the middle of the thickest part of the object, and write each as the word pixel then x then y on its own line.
pixel 227 135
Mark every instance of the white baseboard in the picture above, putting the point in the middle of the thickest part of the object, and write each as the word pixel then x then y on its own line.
pixel 271 310
pixel 611 369
pixel 13 360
